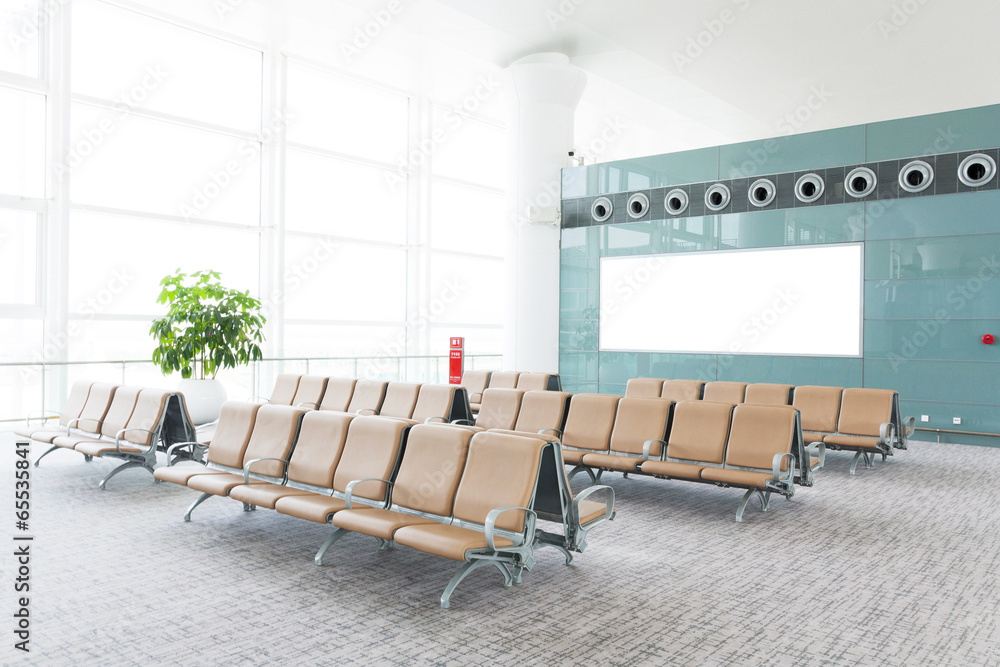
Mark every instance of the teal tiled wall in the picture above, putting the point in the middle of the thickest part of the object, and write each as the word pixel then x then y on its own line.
pixel 932 277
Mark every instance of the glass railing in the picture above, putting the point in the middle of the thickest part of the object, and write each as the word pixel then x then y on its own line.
pixel 32 388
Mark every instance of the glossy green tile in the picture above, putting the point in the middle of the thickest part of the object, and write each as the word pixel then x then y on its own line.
pixel 574 182
pixel 975 256
pixel 659 236
pixel 579 273
pixel 800 226
pixel 831 371
pixel 944 381
pixel 578 335
pixel 618 367
pixel 967 129
pixel 932 298
pixel 612 388
pixel 975 417
pixel 941 215
pixel 652 172
pixel 931 338
pixel 797 152
pixel 582 241
pixel 682 366
pixel 578 367
pixel 575 387
pixel 578 304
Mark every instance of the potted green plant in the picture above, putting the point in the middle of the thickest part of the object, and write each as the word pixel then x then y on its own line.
pixel 207 327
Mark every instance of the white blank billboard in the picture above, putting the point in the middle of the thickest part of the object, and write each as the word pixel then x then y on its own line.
pixel 796 301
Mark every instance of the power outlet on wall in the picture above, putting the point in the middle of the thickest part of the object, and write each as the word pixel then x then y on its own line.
pixel 924 418
pixel 956 420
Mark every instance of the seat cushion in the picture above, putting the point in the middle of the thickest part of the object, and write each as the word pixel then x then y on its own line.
pixel 623 463
pixel 264 495
pixel 97 447
pixel 180 474
pixel 810 437
pixel 376 522
pixel 29 431
pixel 853 442
pixel 218 485
pixel 446 541
pixel 314 507
pixel 590 510
pixel 741 477
pixel 71 441
pixel 47 435
pixel 671 469
pixel 573 456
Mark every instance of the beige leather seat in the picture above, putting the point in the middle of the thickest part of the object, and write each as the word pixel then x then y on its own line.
pixel 229 444
pixel 475 383
pixel 367 397
pixel 643 388
pixel 533 381
pixel 725 392
pixel 400 399
pixel 865 425
pixel 588 427
pixel 438 402
pixel 542 411
pixel 71 410
pixel 116 419
pixel 498 410
pixel 309 392
pixel 285 386
pixel 503 380
pixel 637 422
pixel 697 440
pixel 682 390
pixel 819 408
pixel 371 451
pixel 762 393
pixel 338 394
pixel 317 452
pixel 89 421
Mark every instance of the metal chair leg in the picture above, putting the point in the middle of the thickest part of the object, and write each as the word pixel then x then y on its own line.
pixel 202 498
pixel 52 449
pixel 462 573
pixel 854 461
pixel 743 504
pixel 581 468
pixel 124 466
pixel 336 535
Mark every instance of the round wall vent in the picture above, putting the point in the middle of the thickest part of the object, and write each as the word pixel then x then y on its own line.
pixel 638 205
pixel 676 201
pixel 762 192
pixel 860 182
pixel 601 209
pixel 717 197
pixel 809 188
pixel 916 176
pixel 977 170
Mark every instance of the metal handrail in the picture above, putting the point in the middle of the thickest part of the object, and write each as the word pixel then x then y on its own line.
pixel 939 431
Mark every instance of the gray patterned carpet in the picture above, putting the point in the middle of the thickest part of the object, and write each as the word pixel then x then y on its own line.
pixel 897 566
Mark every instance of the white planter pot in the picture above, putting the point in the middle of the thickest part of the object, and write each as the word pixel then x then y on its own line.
pixel 204 399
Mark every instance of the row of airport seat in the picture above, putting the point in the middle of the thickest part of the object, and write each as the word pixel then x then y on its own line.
pixel 370 475
pixel 475 382
pixel 865 421
pixel 758 448
pixel 404 400
pixel 122 422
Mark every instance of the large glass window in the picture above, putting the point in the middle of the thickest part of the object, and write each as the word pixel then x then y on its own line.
pixel 22 143
pixel 20 24
pixel 18 257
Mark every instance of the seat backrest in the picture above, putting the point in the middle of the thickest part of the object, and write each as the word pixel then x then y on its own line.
pixel 400 399
pixel 863 411
pixel 229 442
pixel 762 393
pixel 541 410
pixel 310 391
pixel 434 400
pixel 475 382
pixel 639 420
pixel 368 395
pixel 338 394
pixel 122 406
pixel 273 437
pixel 819 407
pixel 96 408
pixel 371 451
pixel 431 468
pixel 681 390
pixel 318 448
pixel 758 433
pixel 501 471
pixel 725 392
pixel 499 408
pixel 643 388
pixel 77 398
pixel 284 389
pixel 503 379
pixel 149 411
pixel 531 381
pixel 590 420
pixel 699 430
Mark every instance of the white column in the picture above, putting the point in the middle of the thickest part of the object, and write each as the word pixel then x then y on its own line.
pixel 545 89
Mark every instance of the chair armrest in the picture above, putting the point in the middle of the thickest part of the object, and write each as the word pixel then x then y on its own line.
pixel 179 445
pixel 491 520
pixel 248 464
pixel 308 404
pixel 435 420
pixel 887 433
pixel 349 491
pixel 820 449
pixel 148 448
pixel 909 426
pixel 559 434
pixel 776 467
pixel 646 446
pixel 463 422
pixel 364 412
pixel 609 502
pixel 71 423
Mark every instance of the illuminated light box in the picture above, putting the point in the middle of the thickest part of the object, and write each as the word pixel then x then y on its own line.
pixel 804 300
